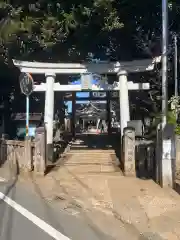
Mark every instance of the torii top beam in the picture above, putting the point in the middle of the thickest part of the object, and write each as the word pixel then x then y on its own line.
pixel 78 68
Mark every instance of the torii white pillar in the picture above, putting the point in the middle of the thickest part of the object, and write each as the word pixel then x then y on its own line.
pixel 49 112
pixel 123 100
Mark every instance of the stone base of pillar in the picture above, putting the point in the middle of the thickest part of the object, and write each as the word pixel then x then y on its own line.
pixel 165 155
pixel 28 155
pixel 50 152
pixel 40 151
pixel 168 156
pixel 129 152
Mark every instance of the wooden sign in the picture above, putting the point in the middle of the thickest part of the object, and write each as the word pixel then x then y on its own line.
pixel 86 81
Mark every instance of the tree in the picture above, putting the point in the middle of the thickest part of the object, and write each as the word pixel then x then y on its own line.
pixel 44 26
pixel 76 30
pixel 86 30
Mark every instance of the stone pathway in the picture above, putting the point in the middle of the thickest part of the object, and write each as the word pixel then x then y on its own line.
pixel 124 208
pixel 90 186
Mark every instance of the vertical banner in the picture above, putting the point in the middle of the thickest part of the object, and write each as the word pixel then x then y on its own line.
pixel 86 81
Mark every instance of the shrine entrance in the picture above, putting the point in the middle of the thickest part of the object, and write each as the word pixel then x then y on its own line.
pixel 92 112
pixel 121 84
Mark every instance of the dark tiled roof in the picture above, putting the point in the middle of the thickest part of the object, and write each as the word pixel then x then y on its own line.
pixel 91 107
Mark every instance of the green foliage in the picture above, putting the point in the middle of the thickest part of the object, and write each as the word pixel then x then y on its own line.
pixel 41 25
pixel 61 30
pixel 177 130
pixel 171 118
pixel 74 31
pixel 175 109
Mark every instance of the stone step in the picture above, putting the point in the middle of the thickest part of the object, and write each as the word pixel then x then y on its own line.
pixel 85 144
pixel 76 149
pixel 79 146
pixel 90 161
pixel 89 148
pixel 92 169
pixel 94 156
pixel 81 159
pixel 108 151
pixel 91 157
pixel 79 163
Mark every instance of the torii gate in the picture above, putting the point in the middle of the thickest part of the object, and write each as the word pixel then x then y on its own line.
pixel 121 69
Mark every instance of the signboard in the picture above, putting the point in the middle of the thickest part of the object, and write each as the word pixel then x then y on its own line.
pixel 86 81
pixel 26 83
pixel 99 94
pixel 114 94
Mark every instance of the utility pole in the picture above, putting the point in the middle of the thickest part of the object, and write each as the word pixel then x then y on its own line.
pixel 175 66
pixel 164 61
pixel 176 87
pixel 166 175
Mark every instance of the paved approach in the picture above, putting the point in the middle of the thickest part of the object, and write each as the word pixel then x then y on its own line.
pixel 24 215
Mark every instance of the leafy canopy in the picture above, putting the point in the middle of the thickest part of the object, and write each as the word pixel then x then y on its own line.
pixel 77 30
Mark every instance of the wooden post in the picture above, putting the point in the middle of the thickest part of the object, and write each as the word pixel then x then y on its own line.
pixel 129 151
pixel 40 151
pixel 108 111
pixel 28 154
pixel 73 115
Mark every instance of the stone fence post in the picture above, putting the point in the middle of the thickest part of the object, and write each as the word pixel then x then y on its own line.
pixel 3 148
pixel 178 156
pixel 40 151
pixel 167 161
pixel 129 151
pixel 28 155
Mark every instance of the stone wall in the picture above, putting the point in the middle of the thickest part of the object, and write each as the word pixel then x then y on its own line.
pixel 17 152
pixel 23 155
pixel 178 157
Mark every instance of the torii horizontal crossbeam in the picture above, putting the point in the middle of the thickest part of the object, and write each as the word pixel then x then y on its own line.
pixel 77 88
